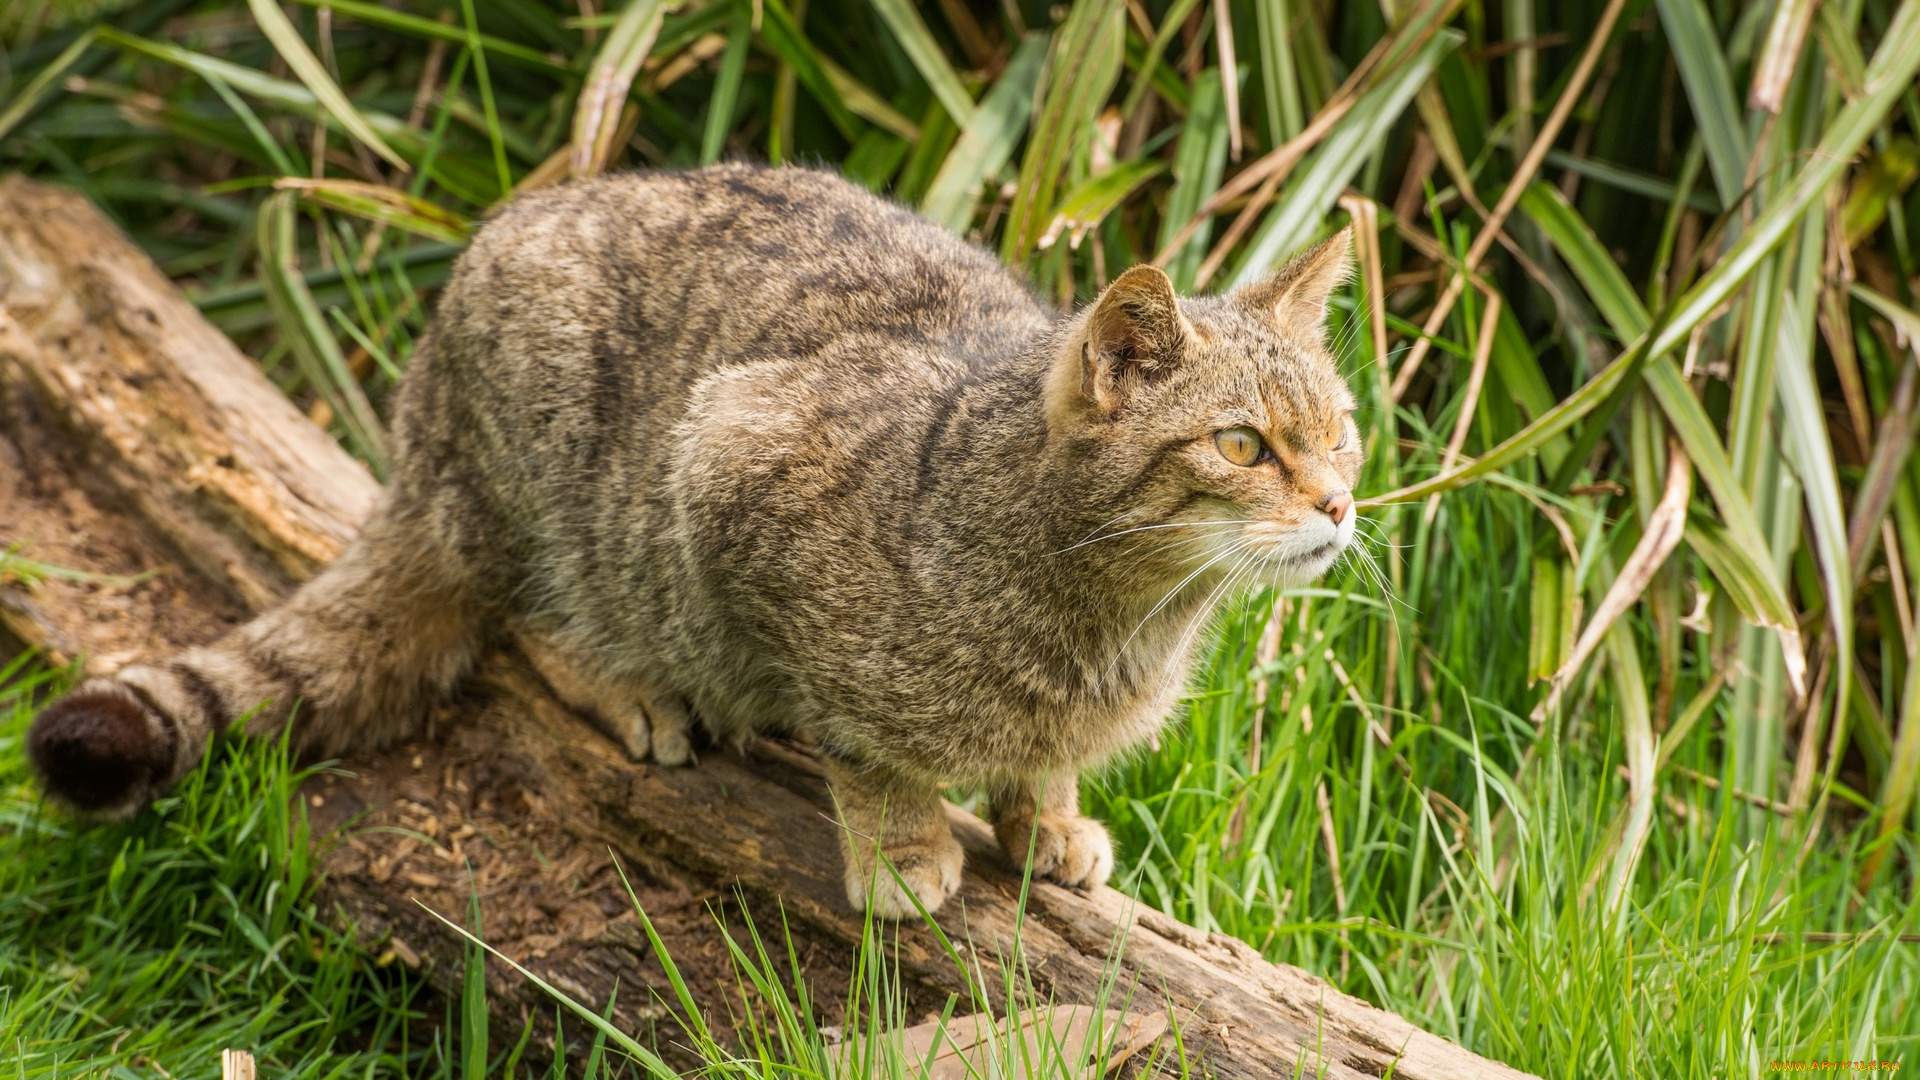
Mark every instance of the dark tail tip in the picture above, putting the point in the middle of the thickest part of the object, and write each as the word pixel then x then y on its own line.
pixel 100 751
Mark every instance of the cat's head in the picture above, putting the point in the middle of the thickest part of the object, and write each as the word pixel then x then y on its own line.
pixel 1219 428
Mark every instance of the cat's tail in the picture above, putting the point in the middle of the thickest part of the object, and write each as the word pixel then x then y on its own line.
pixel 362 650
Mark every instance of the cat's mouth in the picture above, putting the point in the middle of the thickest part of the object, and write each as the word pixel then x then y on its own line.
pixel 1295 556
pixel 1324 553
pixel 1315 561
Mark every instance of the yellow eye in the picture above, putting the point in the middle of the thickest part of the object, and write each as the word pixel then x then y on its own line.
pixel 1239 445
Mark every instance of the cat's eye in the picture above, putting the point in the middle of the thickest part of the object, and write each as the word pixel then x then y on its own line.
pixel 1240 445
pixel 1342 444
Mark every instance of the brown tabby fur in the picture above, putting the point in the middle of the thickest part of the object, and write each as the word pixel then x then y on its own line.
pixel 751 450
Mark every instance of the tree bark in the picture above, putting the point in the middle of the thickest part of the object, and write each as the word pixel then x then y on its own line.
pixel 137 437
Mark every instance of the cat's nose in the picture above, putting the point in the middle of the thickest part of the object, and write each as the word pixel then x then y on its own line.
pixel 1337 504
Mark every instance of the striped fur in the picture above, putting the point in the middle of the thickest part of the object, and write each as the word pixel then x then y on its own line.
pixel 753 450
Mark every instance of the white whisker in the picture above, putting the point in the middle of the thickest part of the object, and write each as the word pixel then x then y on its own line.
pixel 1168 598
pixel 1170 545
pixel 1225 588
pixel 1146 528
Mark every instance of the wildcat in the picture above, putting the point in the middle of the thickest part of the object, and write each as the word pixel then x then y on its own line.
pixel 755 450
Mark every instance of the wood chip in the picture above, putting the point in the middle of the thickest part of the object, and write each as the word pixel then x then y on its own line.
pixel 236 1065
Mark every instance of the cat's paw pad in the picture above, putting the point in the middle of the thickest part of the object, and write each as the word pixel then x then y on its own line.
pixel 1071 851
pixel 928 870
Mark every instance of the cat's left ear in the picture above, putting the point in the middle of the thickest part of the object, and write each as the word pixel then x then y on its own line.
pixel 1134 334
pixel 1295 296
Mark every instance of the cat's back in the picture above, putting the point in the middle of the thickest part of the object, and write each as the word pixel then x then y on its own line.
pixel 576 325
pixel 676 273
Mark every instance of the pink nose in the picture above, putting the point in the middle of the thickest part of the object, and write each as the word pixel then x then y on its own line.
pixel 1337 505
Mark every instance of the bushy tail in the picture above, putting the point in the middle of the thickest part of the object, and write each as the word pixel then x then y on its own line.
pixel 362 649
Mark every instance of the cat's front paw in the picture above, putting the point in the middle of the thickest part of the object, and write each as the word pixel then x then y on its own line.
pixel 1072 850
pixel 928 870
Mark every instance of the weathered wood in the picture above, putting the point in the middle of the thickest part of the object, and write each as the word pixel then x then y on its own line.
pixel 131 422
pixel 166 412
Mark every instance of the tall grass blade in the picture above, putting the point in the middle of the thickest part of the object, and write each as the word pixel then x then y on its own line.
pixel 1636 732
pixel 1892 70
pixel 383 204
pixel 1080 73
pixel 988 141
pixel 1549 608
pixel 305 330
pixel 596 115
pixel 1589 260
pixel 496 137
pixel 1780 53
pixel 1143 82
pixel 1750 557
pixel 276 155
pixel 1662 534
pixel 1810 448
pixel 1889 77
pixel 456 173
pixel 1897 800
pixel 37 87
pixel 600 1024
pixel 376 15
pixel 691 1018
pixel 1198 162
pixel 1293 221
pixel 1279 85
pixel 1904 319
pixel 862 102
pixel 1705 74
pixel 783 37
pixel 1530 439
pixel 1092 200
pixel 293 49
pixel 1738 572
pixel 726 87
pixel 1229 70
pixel 925 53
pixel 473 1001
pixel 1523 174
pixel 1597 272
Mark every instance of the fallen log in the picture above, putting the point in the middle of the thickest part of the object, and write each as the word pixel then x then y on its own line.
pixel 136 436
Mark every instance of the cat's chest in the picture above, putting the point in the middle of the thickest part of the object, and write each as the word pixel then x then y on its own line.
pixel 1105 707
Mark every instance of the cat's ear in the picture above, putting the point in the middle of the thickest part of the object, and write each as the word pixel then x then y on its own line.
pixel 1295 296
pixel 1134 335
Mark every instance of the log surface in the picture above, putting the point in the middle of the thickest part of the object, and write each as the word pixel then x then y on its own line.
pixel 137 437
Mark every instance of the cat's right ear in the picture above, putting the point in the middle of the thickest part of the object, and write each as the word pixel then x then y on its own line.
pixel 1134 335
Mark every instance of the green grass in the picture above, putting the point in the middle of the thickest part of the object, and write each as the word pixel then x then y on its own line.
pixel 1679 843
pixel 161 941
pixel 1470 894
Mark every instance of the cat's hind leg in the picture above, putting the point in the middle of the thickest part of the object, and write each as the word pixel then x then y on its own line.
pixel 904 821
pixel 652 723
